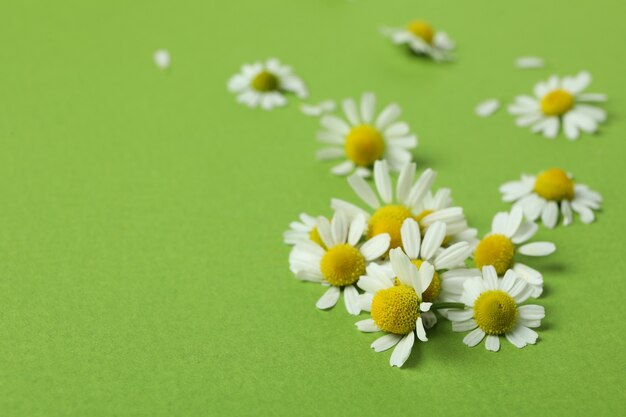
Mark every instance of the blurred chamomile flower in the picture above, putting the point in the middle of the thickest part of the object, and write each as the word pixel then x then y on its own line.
pixel 493 310
pixel 550 192
pixel 363 138
pixel 560 101
pixel 265 84
pixel 303 231
pixel 339 261
pixel 422 39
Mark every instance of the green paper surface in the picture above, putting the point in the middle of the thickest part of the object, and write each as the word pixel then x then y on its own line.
pixel 142 269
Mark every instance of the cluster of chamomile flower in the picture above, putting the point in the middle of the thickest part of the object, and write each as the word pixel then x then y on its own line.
pixel 407 255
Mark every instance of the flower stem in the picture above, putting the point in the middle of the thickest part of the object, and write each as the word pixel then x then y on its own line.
pixel 438 306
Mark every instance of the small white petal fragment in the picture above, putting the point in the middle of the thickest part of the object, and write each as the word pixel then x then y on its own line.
pixel 487 108
pixel 315 110
pixel 527 62
pixel 162 59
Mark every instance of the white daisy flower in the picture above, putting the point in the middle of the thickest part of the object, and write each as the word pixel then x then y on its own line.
pixel 449 264
pixel 265 84
pixel 560 101
pixel 341 260
pixel 498 248
pixel 551 192
pixel 362 139
pixel 304 230
pixel 387 211
pixel 422 38
pixel 396 309
pixel 493 310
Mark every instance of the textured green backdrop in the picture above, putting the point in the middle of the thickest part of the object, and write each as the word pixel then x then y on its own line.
pixel 142 270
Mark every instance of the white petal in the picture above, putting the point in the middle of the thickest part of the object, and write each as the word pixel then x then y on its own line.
pixel 425 306
pixel 356 230
pixel 514 221
pixel 487 107
pixel 339 227
pixel 388 116
pixel 490 277
pixel 537 249
pixel 398 129
pixel 383 181
pixel 327 154
pixel 343 168
pixel 367 326
pixel 526 62
pixel 335 124
pixel 385 342
pixel 433 239
pixel 329 299
pixel 532 312
pixel 525 232
pixel 474 337
pixel 331 138
pixel 419 329
pixel 405 179
pixel 402 266
pixel 368 105
pixel 453 255
pixel 566 210
pixel 460 315
pixel 349 108
pixel 370 284
pixel 591 97
pixel 323 228
pixel 411 238
pixel 421 187
pixel 550 215
pixel 351 299
pixel 426 273
pixel 492 343
pixel 464 326
pixel 364 191
pixel 402 351
pixel 375 247
pixel 498 225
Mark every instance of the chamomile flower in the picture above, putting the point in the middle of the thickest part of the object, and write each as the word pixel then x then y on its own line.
pixel 303 231
pixel 396 308
pixel 448 263
pixel 560 101
pixel 493 310
pixel 340 261
pixel 386 211
pixel 423 39
pixel 552 191
pixel 265 84
pixel 361 139
pixel 499 247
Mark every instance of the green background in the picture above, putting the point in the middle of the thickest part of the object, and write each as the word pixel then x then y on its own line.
pixel 142 269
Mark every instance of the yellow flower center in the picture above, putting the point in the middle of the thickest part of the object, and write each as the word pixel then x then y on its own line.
pixel 557 102
pixel 342 265
pixel 364 145
pixel 554 184
pixel 433 290
pixel 422 29
pixel 496 250
pixel 388 219
pixel 495 312
pixel 314 235
pixel 265 81
pixel 395 309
